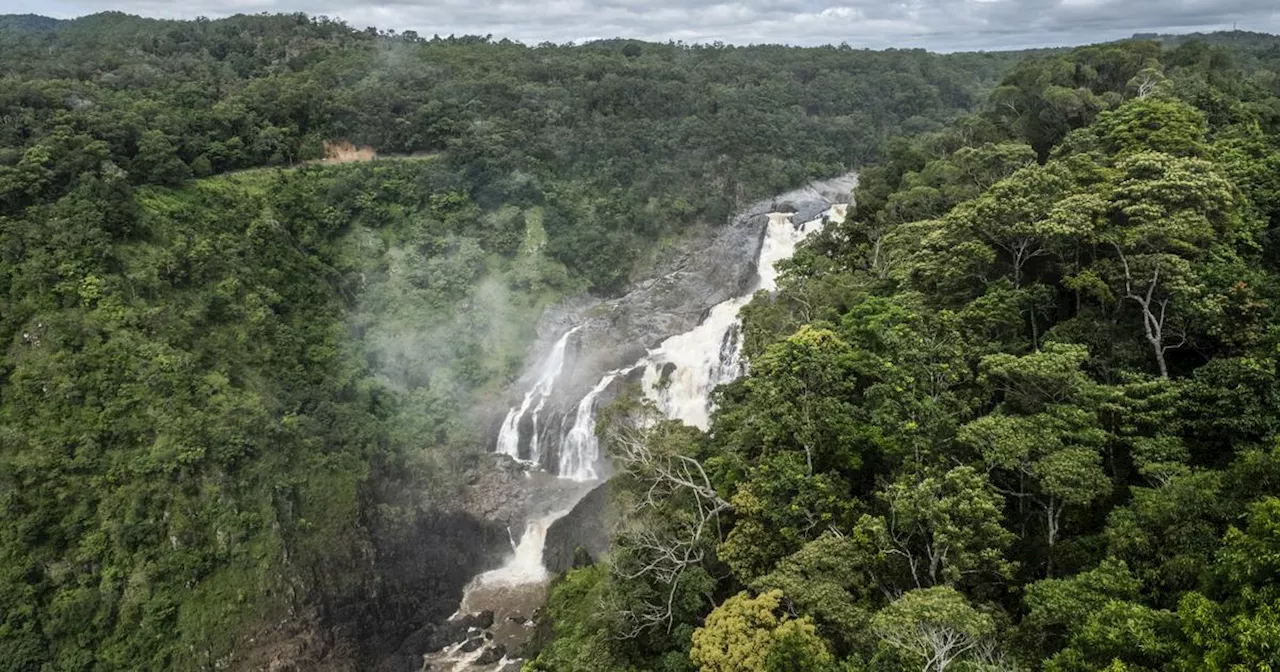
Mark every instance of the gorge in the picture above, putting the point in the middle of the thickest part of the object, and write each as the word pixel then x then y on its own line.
pixel 261 409
pixel 552 428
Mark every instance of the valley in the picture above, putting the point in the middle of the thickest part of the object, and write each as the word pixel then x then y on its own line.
pixel 337 349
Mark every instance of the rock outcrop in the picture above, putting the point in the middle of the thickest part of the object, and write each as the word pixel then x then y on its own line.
pixel 583 535
pixel 497 491
pixel 691 277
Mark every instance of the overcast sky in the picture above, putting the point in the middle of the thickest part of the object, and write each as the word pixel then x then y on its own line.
pixel 944 25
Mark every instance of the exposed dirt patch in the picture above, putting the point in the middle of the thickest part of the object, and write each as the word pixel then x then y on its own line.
pixel 342 151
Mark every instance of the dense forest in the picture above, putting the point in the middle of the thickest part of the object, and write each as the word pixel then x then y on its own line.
pixel 237 383
pixel 1018 412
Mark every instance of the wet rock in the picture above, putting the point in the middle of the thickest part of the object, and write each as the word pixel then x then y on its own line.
pixel 664 376
pixel 435 638
pixel 444 636
pixel 484 619
pixel 635 377
pixel 497 490
pixel 586 530
pixel 691 276
pixel 396 662
pixel 473 644
pixel 417 642
pixel 400 662
pixel 492 655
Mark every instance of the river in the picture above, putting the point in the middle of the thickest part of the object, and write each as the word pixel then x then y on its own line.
pixel 678 374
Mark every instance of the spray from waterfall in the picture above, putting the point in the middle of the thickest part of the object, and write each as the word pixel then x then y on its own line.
pixel 580 447
pixel 509 435
pixel 711 353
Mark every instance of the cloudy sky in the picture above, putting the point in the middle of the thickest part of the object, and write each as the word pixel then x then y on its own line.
pixel 935 24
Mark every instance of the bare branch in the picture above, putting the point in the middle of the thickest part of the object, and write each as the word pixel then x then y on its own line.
pixel 661 554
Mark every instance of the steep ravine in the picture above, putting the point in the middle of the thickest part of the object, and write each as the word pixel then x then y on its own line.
pixel 678 335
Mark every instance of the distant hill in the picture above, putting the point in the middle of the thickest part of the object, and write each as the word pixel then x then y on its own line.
pixel 1254 51
pixel 31 23
pixel 1237 39
pixel 1232 38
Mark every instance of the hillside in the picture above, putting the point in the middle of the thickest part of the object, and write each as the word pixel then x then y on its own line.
pixel 1020 410
pixel 243 392
pixel 239 392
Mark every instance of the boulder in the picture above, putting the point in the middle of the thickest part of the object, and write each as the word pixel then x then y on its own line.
pixel 492 655
pixel 587 531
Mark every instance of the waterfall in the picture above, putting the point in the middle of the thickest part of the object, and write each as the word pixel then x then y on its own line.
pixel 698 360
pixel 711 353
pixel 679 375
pixel 509 435
pixel 525 565
pixel 580 448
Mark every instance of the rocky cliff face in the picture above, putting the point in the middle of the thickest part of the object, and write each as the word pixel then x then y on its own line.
pixel 363 617
pixel 584 535
pixel 689 279
pixel 435 563
pixel 497 490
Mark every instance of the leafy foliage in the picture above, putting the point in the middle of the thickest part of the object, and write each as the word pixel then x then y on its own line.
pixel 1017 411
pixel 745 633
pixel 238 401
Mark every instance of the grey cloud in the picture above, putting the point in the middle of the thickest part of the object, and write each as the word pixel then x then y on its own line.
pixel 935 24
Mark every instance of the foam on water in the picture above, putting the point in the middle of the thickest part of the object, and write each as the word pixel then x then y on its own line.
pixel 509 435
pixel 679 375
pixel 711 353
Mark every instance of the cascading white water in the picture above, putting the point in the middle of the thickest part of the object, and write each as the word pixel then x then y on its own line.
pixel 695 362
pixel 580 448
pixel 509 435
pixel 711 353
pixel 708 355
pixel 525 565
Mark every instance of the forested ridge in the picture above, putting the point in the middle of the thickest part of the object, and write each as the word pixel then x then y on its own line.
pixel 240 389
pixel 659 134
pixel 1018 411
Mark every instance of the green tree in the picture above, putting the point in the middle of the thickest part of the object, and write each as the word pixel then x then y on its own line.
pixel 942 529
pixel 778 508
pixel 1241 629
pixel 935 627
pixel 1013 216
pixel 1096 618
pixel 1153 124
pixel 157 160
pixel 1046 441
pixel 1169 532
pixel 802 393
pixel 747 633
pixel 1166 214
pixel 828 580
